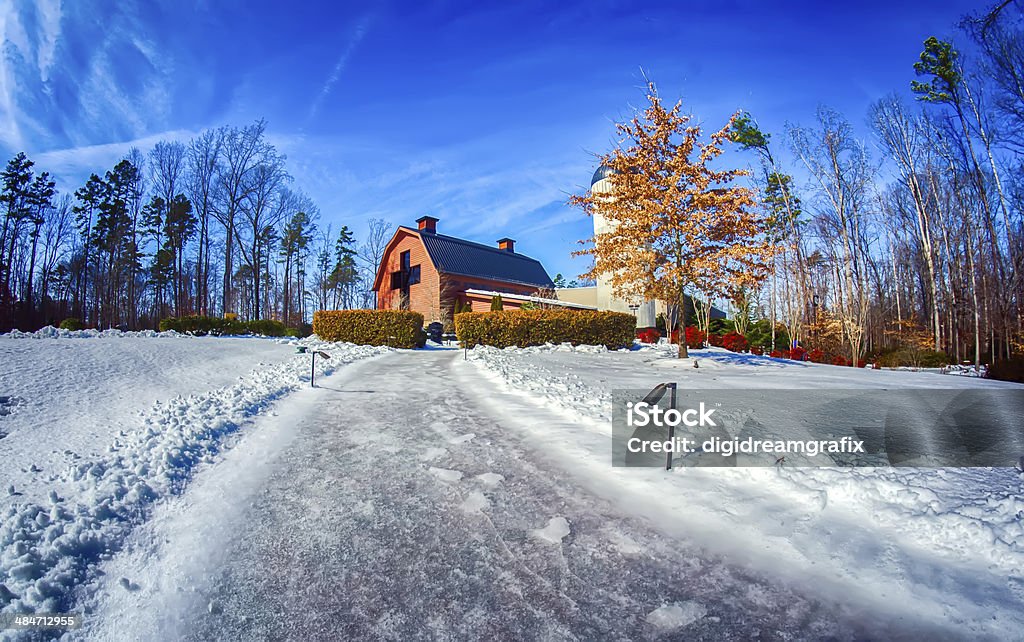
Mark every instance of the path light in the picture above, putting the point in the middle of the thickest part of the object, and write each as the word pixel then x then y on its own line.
pixel 312 371
pixel 652 399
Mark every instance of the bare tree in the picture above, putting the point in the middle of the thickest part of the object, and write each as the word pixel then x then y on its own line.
pixel 265 206
pixel 201 184
pixel 371 252
pixel 841 171
pixel 242 151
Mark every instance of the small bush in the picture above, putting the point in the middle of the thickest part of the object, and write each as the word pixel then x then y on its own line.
pixel 395 328
pixel 694 337
pixel 71 323
pixel 524 328
pixel 650 335
pixel 715 340
pixel 266 327
pixel 816 355
pixel 1011 369
pixel 215 326
pixel 796 354
pixel 934 359
pixel 735 341
pixel 915 359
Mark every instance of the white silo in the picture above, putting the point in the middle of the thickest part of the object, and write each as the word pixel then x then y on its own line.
pixel 606 299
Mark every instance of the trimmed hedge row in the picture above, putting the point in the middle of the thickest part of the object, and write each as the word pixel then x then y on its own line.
pixel 216 326
pixel 395 328
pixel 524 328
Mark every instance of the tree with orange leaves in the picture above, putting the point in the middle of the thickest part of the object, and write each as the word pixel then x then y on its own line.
pixel 676 225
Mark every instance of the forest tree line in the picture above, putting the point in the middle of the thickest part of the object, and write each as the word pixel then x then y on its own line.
pixel 208 227
pixel 914 237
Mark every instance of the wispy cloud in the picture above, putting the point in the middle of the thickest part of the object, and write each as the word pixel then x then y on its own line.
pixel 357 36
pixel 71 166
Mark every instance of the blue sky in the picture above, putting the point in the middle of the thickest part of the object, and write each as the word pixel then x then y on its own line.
pixel 486 116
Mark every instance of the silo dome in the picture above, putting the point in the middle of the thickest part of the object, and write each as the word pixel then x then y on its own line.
pixel 602 172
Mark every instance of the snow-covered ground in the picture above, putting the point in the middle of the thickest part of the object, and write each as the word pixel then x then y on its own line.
pixel 96 427
pixel 403 499
pixel 945 544
pixel 178 487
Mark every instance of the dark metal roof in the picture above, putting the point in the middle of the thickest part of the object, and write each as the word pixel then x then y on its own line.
pixel 458 256
pixel 602 172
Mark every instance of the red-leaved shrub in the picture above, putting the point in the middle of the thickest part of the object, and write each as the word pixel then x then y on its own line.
pixel 694 337
pixel 735 341
pixel 650 335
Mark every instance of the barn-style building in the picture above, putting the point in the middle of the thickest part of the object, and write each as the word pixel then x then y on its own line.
pixel 428 272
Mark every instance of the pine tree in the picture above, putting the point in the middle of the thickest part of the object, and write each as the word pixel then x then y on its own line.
pixel 40 199
pixel 676 223
pixel 178 229
pixel 16 182
pixel 344 275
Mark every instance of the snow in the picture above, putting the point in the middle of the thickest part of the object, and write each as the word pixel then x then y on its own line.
pixel 179 487
pixel 947 543
pixel 490 479
pixel 475 502
pixel 343 531
pixel 445 475
pixel 556 530
pixel 672 617
pixel 109 423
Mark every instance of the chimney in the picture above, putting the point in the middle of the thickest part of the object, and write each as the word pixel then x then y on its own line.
pixel 507 244
pixel 427 224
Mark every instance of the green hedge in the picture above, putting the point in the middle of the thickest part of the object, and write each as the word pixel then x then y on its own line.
pixel 72 323
pixel 395 328
pixel 217 326
pixel 536 327
pixel 920 359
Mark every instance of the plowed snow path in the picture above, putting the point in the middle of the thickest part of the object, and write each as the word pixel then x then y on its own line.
pixel 399 501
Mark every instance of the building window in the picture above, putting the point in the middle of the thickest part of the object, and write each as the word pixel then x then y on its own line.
pixel 414 275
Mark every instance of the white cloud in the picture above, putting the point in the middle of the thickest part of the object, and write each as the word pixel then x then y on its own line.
pixel 71 166
pixel 339 66
pixel 50 27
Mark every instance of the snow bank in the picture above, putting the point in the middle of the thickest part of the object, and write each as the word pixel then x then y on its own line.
pixel 50 332
pixel 49 547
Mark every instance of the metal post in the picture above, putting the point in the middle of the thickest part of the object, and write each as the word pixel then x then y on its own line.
pixel 312 372
pixel 671 428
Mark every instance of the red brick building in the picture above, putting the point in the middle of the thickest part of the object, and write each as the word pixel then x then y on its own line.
pixel 428 272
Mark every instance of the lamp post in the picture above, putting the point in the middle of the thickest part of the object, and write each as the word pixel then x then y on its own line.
pixel 814 311
pixel 312 370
